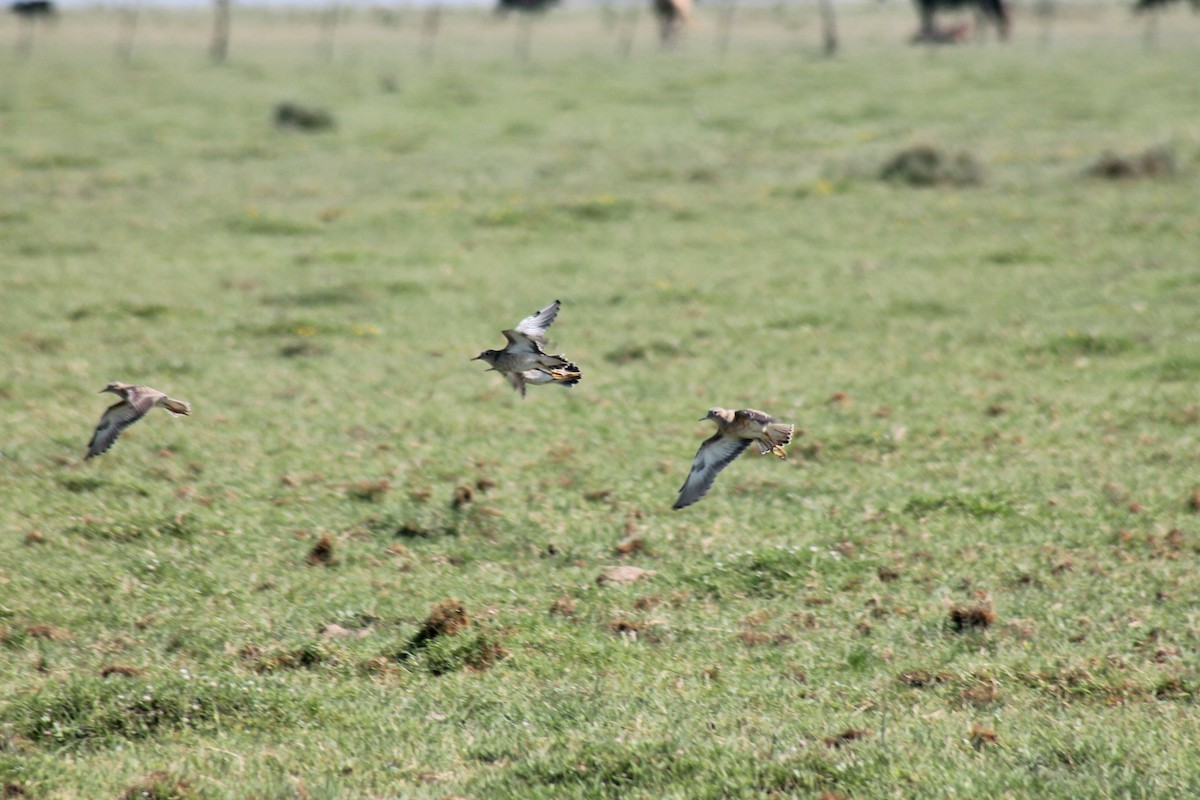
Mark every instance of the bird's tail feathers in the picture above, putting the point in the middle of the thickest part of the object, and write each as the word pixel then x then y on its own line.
pixel 567 376
pixel 177 407
pixel 778 435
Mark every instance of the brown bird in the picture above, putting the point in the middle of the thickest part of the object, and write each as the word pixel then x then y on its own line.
pixel 735 431
pixel 523 361
pixel 135 402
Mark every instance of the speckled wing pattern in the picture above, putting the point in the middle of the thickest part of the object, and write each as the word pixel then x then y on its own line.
pixel 743 414
pixel 713 456
pixel 116 419
pixel 530 333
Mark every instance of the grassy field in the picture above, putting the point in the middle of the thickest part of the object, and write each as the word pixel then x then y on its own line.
pixel 975 576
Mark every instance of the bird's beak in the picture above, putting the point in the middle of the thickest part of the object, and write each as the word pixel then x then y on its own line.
pixel 702 419
pixel 476 358
pixel 102 391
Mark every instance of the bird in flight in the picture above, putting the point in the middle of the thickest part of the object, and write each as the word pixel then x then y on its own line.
pixel 735 431
pixel 135 402
pixel 523 361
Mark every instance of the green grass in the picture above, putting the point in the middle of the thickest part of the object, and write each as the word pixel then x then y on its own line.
pixel 996 382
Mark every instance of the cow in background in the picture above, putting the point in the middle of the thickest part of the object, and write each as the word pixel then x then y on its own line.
pixel 33 9
pixel 993 11
pixel 1142 6
pixel 672 16
pixel 526 6
pixel 30 13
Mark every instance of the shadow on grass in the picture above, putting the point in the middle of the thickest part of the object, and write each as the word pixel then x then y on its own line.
pixel 341 294
pixel 1173 369
pixel 987 504
pixel 644 352
pixel 122 310
pixel 99 712
pixel 766 573
pixel 1075 345
pixel 650 769
pixel 179 526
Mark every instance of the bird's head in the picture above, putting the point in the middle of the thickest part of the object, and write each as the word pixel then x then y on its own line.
pixel 487 355
pixel 718 414
pixel 116 387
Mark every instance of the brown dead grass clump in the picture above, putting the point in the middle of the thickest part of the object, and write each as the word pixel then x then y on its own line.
pixel 982 735
pixel 980 695
pixel 626 574
pixel 623 626
pixel 1193 502
pixel 463 496
pixel 14 789
pixel 887 574
pixel 846 737
pixel 921 678
pixel 636 631
pixel 123 670
pixel 321 553
pixel 277 660
pixel 51 632
pixel 976 617
pixel 563 607
pixel 485 655
pixel 647 602
pixel 756 618
pixel 448 618
pixel 1174 540
pixel 369 491
pixel 630 546
pixel 1174 688
pixel 1066 565
pixel 753 638
pixel 378 667
pixel 159 786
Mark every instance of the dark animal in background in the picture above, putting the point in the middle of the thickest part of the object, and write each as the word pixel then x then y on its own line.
pixel 993 11
pixel 1142 6
pixel 33 9
pixel 672 16
pixel 33 14
pixel 525 6
pixel 300 118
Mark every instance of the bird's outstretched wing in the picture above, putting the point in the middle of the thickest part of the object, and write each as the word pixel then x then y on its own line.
pixel 117 418
pixel 530 333
pixel 713 456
